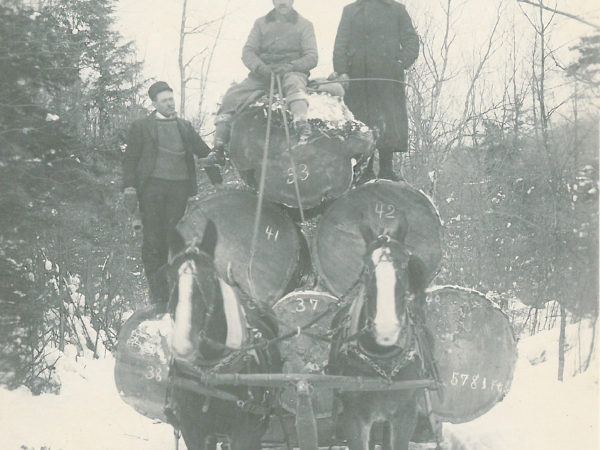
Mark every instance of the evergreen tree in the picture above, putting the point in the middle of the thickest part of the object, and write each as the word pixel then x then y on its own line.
pixel 37 62
pixel 587 66
pixel 109 73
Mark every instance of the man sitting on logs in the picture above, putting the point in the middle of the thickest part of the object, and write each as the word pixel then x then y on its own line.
pixel 282 43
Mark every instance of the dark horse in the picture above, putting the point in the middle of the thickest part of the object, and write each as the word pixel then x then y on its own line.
pixel 211 325
pixel 379 340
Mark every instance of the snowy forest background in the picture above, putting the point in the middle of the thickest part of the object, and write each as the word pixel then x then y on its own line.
pixel 504 139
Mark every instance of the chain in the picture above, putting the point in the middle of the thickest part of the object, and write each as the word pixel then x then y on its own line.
pixel 372 364
pixel 229 360
pixel 406 356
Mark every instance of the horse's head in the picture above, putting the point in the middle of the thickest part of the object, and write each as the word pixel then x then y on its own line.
pixel 208 315
pixel 393 279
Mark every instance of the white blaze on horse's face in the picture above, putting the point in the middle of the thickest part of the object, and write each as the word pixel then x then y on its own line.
pixel 234 315
pixel 181 341
pixel 386 323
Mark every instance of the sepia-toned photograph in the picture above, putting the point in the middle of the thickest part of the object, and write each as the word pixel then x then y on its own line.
pixel 299 224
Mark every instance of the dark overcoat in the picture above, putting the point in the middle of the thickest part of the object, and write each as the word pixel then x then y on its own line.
pixel 142 148
pixel 376 39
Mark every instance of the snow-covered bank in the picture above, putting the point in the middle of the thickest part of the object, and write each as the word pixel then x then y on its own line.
pixel 88 414
pixel 540 412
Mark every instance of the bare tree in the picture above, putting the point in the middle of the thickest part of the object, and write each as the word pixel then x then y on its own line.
pixel 562 13
pixel 206 53
pixel 437 126
pixel 557 163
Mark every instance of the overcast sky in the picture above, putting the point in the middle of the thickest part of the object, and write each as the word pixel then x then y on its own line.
pixel 154 26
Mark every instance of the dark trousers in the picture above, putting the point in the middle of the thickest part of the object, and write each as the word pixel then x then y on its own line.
pixel 162 204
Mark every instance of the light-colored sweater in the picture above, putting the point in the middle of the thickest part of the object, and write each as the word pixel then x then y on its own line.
pixel 170 160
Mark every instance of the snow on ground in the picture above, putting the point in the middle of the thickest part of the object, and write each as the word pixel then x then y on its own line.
pixel 540 412
pixel 87 415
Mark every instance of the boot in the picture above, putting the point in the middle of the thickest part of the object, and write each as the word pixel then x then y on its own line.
pixel 222 134
pixel 368 173
pixel 303 131
pixel 386 167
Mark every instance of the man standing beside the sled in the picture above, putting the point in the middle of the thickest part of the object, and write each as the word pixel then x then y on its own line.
pixel 159 173
pixel 282 43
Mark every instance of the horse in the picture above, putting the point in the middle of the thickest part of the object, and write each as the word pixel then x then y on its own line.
pixel 211 325
pixel 376 336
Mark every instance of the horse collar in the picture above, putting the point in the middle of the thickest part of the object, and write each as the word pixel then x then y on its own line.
pixel 400 358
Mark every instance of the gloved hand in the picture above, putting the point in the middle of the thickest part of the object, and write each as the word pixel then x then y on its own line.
pixel 264 70
pixel 130 199
pixel 215 158
pixel 282 69
pixel 343 79
pixel 334 76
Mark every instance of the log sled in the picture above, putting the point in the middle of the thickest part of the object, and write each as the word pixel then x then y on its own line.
pixel 474 347
pixel 301 272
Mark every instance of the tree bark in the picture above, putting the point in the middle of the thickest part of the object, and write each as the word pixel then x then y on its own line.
pixel 182 77
pixel 586 365
pixel 561 343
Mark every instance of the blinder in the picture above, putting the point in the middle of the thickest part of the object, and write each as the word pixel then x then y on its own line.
pixel 399 252
pixel 201 259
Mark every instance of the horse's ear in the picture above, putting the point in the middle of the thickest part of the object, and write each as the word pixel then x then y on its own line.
pixel 401 229
pixel 209 238
pixel 367 233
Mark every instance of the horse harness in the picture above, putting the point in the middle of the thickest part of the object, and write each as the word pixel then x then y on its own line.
pixel 189 375
pixel 386 365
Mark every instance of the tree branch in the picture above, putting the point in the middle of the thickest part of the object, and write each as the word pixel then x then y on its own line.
pixel 186 65
pixel 562 13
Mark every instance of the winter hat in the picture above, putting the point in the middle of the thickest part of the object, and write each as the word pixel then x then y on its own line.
pixel 158 87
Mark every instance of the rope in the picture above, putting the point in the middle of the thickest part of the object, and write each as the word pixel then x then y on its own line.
pixel 261 188
pixel 289 148
pixel 391 80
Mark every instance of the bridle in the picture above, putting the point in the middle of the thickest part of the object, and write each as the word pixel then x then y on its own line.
pixel 388 241
pixel 398 356
pixel 232 360
pixel 193 252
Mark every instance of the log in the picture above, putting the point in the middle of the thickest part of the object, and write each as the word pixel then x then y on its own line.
pixel 142 361
pixel 281 251
pixel 338 247
pixel 306 353
pixel 323 166
pixel 475 351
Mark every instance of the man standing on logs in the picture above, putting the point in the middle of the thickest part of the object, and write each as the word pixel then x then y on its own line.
pixel 159 172
pixel 376 39
pixel 282 43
